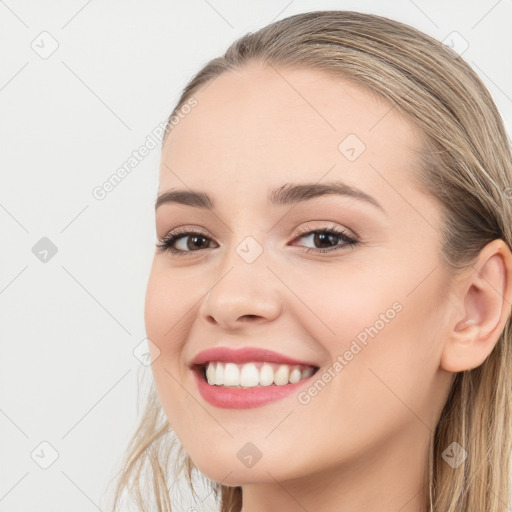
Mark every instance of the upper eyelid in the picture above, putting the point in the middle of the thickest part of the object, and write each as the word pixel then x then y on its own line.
pixel 323 224
pixel 184 232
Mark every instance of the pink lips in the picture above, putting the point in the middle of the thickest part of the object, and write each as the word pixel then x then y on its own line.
pixel 245 355
pixel 243 398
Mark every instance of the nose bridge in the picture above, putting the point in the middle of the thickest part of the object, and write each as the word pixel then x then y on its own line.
pixel 248 248
pixel 244 287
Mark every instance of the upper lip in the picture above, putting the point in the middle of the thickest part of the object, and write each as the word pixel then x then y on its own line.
pixel 245 355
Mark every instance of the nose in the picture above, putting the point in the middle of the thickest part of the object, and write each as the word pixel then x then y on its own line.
pixel 245 293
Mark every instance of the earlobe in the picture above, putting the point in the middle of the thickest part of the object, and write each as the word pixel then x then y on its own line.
pixel 486 295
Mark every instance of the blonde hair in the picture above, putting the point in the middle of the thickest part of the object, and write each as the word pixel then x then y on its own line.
pixel 466 165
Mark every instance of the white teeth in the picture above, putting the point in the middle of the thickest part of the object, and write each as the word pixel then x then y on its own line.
pixel 249 376
pixel 231 375
pixel 255 374
pixel 266 375
pixel 219 374
pixel 281 376
pixel 210 373
pixel 295 375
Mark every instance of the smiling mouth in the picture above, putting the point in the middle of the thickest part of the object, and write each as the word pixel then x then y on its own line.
pixel 253 374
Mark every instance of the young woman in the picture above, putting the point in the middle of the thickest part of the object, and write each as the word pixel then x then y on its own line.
pixel 329 302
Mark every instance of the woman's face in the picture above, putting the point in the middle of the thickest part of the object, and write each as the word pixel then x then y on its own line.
pixel 368 318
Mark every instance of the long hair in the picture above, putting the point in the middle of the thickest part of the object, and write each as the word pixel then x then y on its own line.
pixel 466 165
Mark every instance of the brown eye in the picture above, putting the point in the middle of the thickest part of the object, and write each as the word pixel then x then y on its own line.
pixel 183 242
pixel 328 239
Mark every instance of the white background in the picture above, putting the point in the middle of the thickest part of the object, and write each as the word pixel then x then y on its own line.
pixel 69 325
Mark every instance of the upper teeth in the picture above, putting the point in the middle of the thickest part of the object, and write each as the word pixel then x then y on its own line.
pixel 254 374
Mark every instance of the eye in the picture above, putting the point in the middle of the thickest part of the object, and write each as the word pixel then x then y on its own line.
pixel 196 241
pixel 329 237
pixel 193 241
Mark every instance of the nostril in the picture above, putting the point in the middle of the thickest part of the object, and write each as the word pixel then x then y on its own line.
pixel 245 318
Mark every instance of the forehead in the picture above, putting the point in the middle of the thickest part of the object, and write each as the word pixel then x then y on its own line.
pixel 258 127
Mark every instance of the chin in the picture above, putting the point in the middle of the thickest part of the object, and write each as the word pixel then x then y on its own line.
pixel 232 472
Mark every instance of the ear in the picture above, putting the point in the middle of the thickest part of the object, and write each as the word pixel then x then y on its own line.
pixel 483 304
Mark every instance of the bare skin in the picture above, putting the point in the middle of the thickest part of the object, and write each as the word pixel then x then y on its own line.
pixel 361 442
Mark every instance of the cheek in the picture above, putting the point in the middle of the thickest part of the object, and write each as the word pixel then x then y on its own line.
pixel 400 335
pixel 347 303
pixel 376 388
pixel 165 312
pixel 166 320
pixel 382 331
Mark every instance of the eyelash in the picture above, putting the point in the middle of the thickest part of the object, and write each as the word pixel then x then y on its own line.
pixel 165 244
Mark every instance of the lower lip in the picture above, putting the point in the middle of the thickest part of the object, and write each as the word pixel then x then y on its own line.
pixel 244 398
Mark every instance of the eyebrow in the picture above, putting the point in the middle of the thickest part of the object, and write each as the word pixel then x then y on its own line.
pixel 290 193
